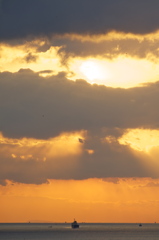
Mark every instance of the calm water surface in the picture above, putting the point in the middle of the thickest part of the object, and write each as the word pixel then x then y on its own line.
pixel 96 231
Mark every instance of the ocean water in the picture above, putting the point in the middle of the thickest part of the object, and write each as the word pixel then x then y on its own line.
pixel 87 231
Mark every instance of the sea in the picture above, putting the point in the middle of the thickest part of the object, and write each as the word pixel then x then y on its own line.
pixel 86 231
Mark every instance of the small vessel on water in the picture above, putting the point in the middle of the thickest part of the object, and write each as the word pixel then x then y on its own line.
pixel 140 225
pixel 75 224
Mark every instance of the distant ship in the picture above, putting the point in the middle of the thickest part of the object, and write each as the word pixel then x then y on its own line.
pixel 140 225
pixel 75 224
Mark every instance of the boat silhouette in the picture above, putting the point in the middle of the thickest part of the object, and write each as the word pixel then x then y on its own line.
pixel 75 224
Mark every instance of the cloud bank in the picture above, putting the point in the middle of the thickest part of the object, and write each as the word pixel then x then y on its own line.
pixel 20 19
pixel 37 107
pixel 42 108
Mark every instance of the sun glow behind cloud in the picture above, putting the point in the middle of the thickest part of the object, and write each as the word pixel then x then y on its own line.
pixel 122 71
pixel 94 71
pixel 114 67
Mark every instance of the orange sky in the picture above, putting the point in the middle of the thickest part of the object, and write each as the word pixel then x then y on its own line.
pixel 92 200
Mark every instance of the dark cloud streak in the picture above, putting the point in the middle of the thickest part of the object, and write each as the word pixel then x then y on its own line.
pixel 107 48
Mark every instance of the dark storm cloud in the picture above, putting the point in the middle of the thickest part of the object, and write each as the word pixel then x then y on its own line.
pixel 25 98
pixel 19 18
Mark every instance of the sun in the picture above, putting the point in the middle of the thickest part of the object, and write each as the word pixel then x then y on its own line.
pixel 124 72
pixel 93 71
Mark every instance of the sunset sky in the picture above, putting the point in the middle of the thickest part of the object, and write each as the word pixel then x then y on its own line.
pixel 79 110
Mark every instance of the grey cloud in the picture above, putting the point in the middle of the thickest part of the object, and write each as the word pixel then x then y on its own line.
pixel 111 180
pixel 45 71
pixel 108 161
pixel 30 58
pixel 46 17
pixel 25 98
pixel 37 107
pixel 107 48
